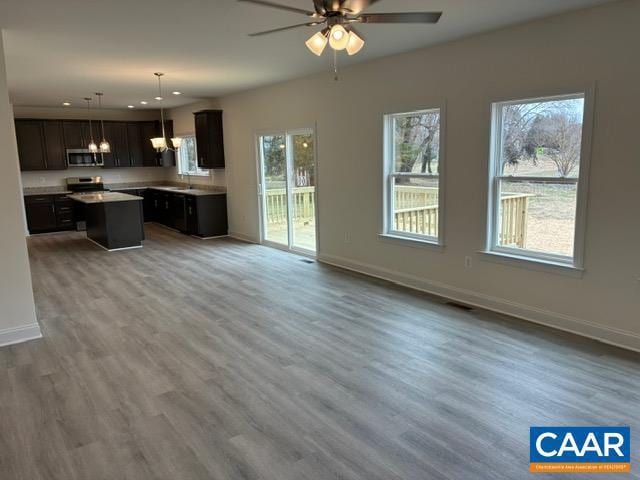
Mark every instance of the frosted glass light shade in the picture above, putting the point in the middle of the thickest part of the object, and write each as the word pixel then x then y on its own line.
pixel 93 148
pixel 105 147
pixel 338 38
pixel 355 43
pixel 159 143
pixel 317 43
pixel 177 142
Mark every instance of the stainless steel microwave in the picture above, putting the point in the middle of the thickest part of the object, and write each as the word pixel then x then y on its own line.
pixel 82 157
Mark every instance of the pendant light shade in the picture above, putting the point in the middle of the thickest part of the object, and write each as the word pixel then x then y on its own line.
pixel 177 142
pixel 159 143
pixel 339 37
pixel 318 42
pixel 92 147
pixel 355 43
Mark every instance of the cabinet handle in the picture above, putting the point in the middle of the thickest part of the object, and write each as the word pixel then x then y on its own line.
pixel 166 205
pixel 53 208
pixel 189 210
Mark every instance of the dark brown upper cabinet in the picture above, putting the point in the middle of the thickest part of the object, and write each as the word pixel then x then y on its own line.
pixel 31 147
pixel 55 153
pixel 149 130
pixel 43 144
pixel 209 139
pixel 77 134
pixel 135 139
pixel 116 134
pixel 168 158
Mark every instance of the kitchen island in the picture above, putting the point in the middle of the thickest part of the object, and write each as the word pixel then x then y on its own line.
pixel 114 220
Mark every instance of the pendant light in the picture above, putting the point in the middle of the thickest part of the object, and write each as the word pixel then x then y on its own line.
pixel 160 143
pixel 93 148
pixel 104 145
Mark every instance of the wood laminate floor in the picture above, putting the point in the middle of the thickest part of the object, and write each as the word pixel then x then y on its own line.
pixel 195 359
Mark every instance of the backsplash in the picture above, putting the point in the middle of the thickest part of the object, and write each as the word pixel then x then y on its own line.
pixel 125 175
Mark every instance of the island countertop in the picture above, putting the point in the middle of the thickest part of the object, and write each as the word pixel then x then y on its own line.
pixel 104 197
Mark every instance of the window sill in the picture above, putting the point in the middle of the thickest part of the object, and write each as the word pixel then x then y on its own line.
pixel 532 263
pixel 410 242
pixel 205 174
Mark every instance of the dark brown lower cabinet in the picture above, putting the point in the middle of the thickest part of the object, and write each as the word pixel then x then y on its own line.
pixel 207 215
pixel 49 213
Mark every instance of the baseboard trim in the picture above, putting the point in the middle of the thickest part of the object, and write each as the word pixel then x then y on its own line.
pixel 11 336
pixel 567 323
pixel 243 237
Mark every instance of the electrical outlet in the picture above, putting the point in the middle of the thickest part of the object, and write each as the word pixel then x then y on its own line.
pixel 347 237
pixel 42 180
pixel 468 262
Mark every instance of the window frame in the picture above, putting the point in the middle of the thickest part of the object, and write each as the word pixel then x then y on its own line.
pixel 389 176
pixel 200 172
pixel 576 260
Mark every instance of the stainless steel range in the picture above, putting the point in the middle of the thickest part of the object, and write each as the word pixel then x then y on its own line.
pixel 85 184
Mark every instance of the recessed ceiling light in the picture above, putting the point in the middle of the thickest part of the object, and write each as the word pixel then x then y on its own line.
pixel 177 93
pixel 66 104
pixel 143 102
pixel 131 106
pixel 158 98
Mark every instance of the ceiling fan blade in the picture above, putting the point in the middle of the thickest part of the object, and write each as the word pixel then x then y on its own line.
pixel 356 6
pixel 281 29
pixel 265 3
pixel 404 17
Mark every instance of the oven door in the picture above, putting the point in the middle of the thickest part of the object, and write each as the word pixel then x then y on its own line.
pixel 83 158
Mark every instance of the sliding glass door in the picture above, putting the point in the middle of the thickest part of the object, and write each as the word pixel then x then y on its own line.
pixel 288 190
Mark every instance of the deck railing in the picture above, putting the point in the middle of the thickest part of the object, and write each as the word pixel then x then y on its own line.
pixel 304 205
pixel 416 211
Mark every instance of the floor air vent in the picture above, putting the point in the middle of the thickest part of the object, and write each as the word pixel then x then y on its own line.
pixel 307 260
pixel 460 306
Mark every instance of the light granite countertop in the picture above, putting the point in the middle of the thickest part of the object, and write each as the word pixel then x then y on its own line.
pixel 105 197
pixel 197 192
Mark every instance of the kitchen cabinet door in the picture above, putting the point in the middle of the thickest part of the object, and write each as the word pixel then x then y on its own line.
pixel 178 212
pixel 56 155
pixel 134 140
pixel 76 133
pixel 41 213
pixel 209 139
pixel 148 130
pixel 168 158
pixel 31 148
pixel 116 134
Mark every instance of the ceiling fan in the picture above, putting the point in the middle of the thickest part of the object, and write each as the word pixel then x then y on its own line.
pixel 340 18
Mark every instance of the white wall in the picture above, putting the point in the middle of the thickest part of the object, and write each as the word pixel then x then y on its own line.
pixel 17 309
pixel 547 56
pixel 113 175
pixel 183 124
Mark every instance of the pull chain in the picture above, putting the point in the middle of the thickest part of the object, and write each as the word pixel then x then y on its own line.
pixel 336 78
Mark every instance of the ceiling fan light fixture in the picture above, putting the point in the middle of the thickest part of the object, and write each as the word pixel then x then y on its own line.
pixel 355 43
pixel 318 42
pixel 339 37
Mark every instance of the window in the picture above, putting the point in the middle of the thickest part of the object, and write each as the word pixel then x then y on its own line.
pixel 413 175
pixel 187 162
pixel 536 169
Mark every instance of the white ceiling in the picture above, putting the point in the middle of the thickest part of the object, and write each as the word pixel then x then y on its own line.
pixel 62 50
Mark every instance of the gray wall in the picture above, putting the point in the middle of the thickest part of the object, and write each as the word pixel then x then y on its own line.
pixel 566 52
pixel 17 310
